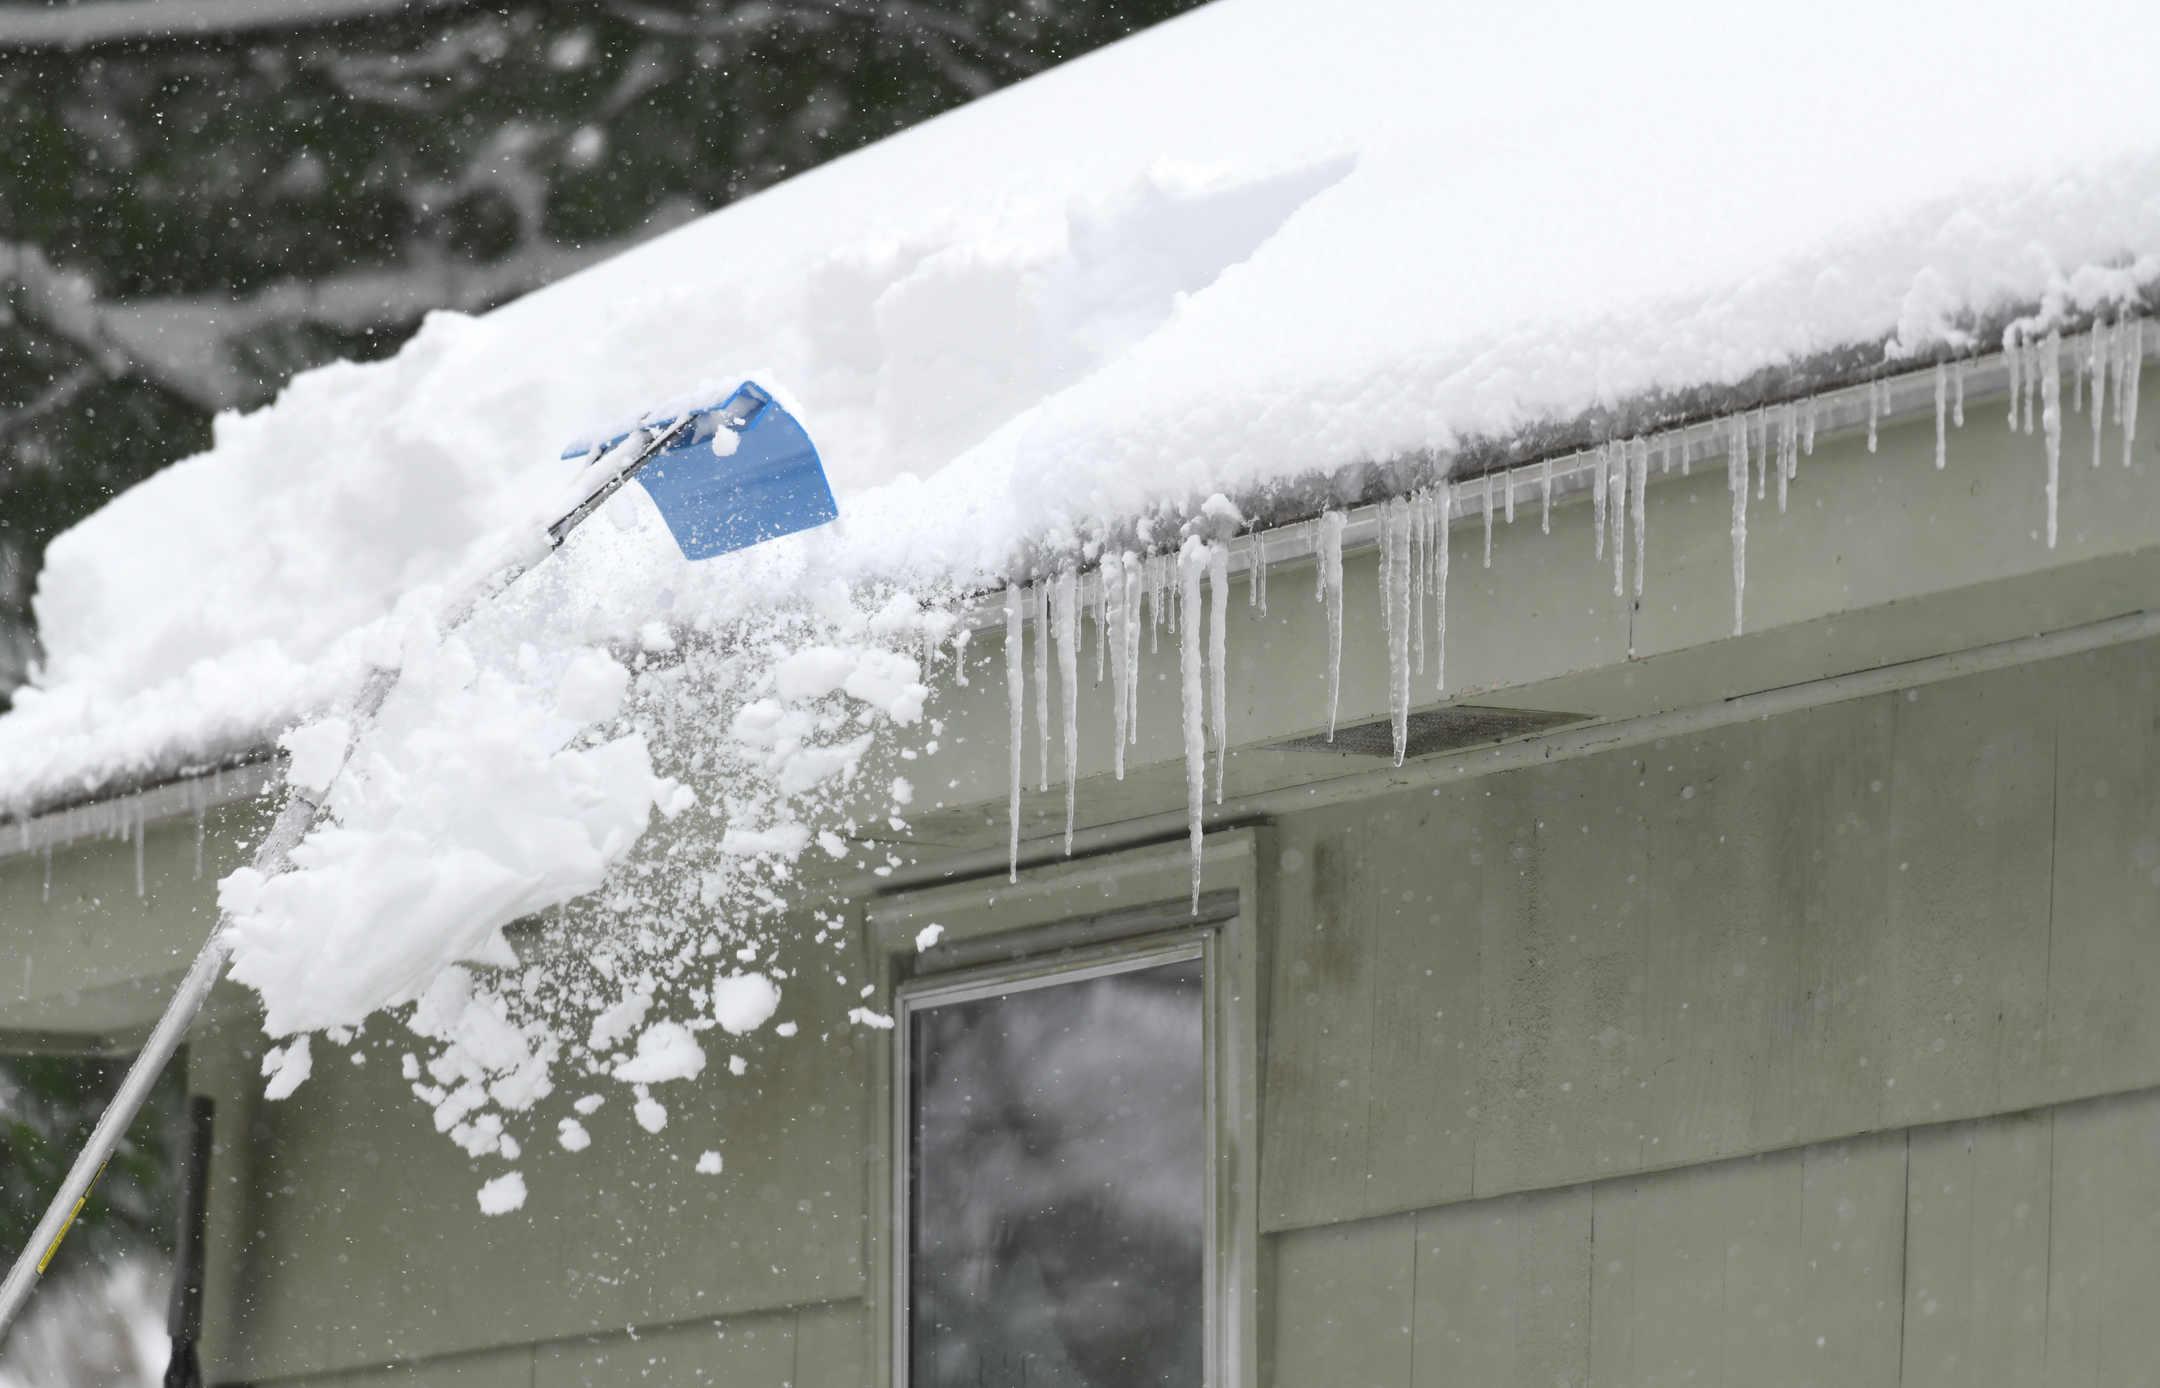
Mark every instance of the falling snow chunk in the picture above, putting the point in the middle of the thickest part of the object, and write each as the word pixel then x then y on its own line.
pixel 288 1066
pixel 571 1135
pixel 741 1003
pixel 709 1163
pixel 503 1194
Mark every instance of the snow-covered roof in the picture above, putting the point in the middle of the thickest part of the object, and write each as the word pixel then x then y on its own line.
pixel 1259 242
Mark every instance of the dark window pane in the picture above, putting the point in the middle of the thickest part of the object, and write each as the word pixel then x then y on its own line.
pixel 1057 1186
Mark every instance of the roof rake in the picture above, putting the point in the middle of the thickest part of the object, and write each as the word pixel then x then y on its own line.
pixel 724 478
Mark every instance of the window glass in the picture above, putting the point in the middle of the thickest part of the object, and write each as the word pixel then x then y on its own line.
pixel 1057 1185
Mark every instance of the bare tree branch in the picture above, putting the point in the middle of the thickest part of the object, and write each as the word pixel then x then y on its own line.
pixel 57 396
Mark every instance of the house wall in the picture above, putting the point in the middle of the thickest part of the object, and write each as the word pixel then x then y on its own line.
pixel 1644 1067
pixel 1656 1067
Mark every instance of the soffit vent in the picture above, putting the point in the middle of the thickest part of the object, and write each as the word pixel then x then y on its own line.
pixel 1434 730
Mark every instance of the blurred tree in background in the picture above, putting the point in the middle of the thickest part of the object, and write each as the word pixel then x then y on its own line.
pixel 199 198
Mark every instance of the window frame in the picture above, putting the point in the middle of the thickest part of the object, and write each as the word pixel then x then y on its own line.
pixel 1053 962
pixel 1122 895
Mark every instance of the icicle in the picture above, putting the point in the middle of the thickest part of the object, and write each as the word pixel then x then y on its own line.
pixel 959 654
pixel 141 887
pixel 201 813
pixel 1441 525
pixel 1117 601
pixel 1786 454
pixel 2013 359
pixel 1545 489
pixel 2125 362
pixel 2126 394
pixel 1330 537
pixel 2051 423
pixel 1616 502
pixel 1260 568
pixel 1191 560
pixel 1807 429
pixel 1219 655
pixel 2031 378
pixel 1016 708
pixel 2099 362
pixel 1259 562
pixel 1736 479
pixel 1395 604
pixel 1102 614
pixel 1597 499
pixel 1511 496
pixel 1942 423
pixel 1136 580
pixel 1642 512
pixel 1762 460
pixel 1957 396
pixel 1488 520
pixel 1042 682
pixel 1874 411
pixel 1156 569
pixel 1421 553
pixel 1386 540
pixel 1065 624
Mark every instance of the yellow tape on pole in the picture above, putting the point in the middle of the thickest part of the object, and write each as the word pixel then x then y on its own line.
pixel 46 1261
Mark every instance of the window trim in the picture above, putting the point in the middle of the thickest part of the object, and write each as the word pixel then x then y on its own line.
pixel 1050 964
pixel 1123 894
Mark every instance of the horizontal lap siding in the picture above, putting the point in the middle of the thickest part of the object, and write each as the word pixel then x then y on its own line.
pixel 1906 909
pixel 2018 1250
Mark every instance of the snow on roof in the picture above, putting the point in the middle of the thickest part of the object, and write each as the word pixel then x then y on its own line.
pixel 1246 245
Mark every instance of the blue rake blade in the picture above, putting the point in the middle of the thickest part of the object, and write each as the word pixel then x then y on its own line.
pixel 770 485
pixel 715 500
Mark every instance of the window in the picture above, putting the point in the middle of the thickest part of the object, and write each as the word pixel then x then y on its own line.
pixel 1055 1186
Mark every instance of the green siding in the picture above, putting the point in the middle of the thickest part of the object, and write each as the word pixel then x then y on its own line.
pixel 2014 1250
pixel 1903 909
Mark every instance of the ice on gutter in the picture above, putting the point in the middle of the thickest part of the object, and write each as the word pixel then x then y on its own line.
pixel 1754 444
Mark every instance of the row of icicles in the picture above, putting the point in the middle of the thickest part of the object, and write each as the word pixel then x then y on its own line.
pixel 1139 595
